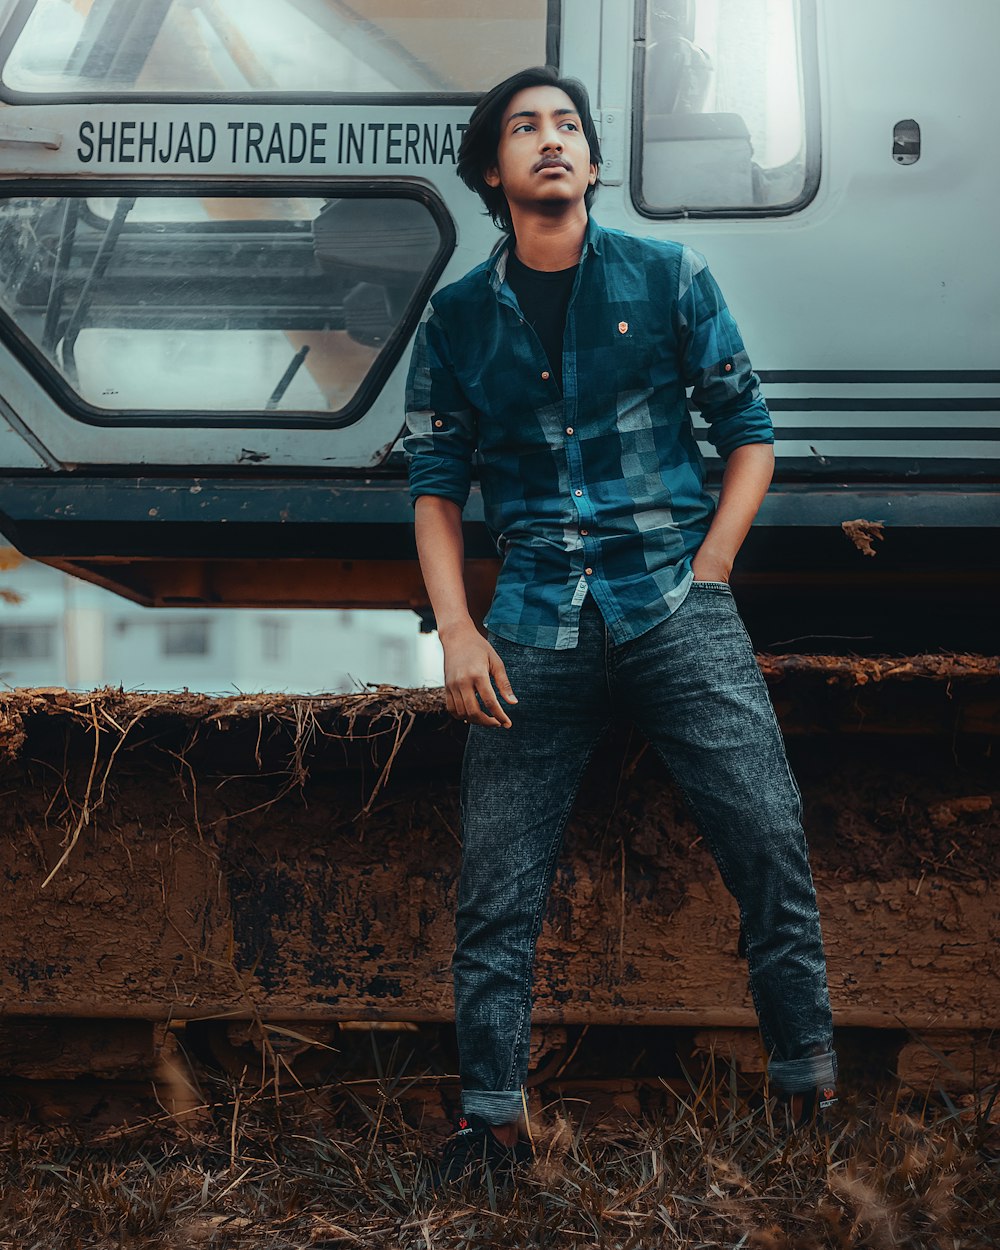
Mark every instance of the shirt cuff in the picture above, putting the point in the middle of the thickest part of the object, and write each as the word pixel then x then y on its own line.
pixel 442 476
pixel 752 426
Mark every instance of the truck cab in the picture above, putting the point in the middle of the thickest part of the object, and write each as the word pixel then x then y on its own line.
pixel 221 221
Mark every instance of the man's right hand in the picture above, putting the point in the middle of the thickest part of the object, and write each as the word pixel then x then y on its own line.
pixel 469 664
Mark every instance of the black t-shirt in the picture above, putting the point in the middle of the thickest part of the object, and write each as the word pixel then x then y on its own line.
pixel 544 298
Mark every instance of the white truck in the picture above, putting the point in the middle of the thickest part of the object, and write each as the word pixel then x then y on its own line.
pixel 220 222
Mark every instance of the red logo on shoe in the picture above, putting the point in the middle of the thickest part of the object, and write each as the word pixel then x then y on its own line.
pixel 463 1122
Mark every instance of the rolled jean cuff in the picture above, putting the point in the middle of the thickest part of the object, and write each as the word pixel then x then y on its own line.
pixel 795 1075
pixel 496 1106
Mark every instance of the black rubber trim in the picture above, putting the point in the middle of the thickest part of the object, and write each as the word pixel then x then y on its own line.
pixel 874 376
pixel 945 403
pixel 26 351
pixel 211 518
pixel 553 33
pixel 894 435
pixel 834 471
pixel 808 46
pixel 640 24
pixel 878 434
pixel 18 19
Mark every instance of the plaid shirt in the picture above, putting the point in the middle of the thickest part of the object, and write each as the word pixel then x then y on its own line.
pixel 599 487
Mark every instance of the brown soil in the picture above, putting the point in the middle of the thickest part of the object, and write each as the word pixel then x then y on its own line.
pixel 165 855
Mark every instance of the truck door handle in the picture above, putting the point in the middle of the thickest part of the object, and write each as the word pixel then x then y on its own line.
pixel 30 135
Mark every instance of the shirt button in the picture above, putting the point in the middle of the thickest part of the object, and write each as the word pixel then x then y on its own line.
pixel 729 368
pixel 588 572
pixel 578 492
pixel 545 376
pixel 585 531
pixel 569 429
pixel 439 424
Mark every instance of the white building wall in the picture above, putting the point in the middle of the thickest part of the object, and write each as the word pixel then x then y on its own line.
pixel 65 632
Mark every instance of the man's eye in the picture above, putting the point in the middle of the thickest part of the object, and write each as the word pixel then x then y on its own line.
pixel 571 125
pixel 523 126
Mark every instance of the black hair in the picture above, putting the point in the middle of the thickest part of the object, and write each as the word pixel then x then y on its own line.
pixel 478 150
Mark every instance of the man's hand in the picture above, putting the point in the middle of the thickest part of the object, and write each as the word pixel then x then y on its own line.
pixel 744 484
pixel 469 664
pixel 469 660
pixel 708 566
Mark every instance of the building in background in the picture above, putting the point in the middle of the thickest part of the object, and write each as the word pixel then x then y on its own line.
pixel 58 631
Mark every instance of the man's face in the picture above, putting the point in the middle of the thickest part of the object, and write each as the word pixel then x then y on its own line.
pixel 543 157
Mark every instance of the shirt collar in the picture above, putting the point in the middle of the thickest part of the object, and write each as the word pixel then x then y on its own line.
pixel 497 268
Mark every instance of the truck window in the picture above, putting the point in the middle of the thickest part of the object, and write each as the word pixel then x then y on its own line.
pixel 728 121
pixel 151 305
pixel 235 46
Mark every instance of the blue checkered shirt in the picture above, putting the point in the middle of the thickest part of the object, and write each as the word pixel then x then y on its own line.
pixel 599 488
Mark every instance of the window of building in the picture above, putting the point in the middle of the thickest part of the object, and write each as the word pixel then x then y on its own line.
pixel 394 660
pixel 27 642
pixel 238 46
pixel 273 638
pixel 139 307
pixel 184 637
pixel 728 120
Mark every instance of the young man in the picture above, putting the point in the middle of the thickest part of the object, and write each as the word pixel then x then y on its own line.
pixel 560 366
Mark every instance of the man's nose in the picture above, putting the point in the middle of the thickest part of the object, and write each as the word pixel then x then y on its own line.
pixel 551 139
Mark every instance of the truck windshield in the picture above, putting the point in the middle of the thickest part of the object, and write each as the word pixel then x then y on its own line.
pixel 152 47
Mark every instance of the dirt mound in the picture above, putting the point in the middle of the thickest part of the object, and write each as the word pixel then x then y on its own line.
pixel 174 855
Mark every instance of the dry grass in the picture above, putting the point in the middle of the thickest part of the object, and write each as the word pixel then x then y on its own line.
pixel 327 1168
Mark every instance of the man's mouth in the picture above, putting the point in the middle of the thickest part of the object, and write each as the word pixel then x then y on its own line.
pixel 552 162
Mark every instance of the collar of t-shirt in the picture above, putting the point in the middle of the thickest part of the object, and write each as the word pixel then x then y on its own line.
pixel 544 298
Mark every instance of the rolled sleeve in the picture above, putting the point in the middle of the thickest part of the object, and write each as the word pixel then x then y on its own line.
pixel 441 425
pixel 715 362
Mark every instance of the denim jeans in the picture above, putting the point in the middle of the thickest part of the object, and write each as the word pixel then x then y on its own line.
pixel 692 686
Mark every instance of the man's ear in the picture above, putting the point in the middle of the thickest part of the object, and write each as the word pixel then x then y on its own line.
pixel 491 176
pixel 593 174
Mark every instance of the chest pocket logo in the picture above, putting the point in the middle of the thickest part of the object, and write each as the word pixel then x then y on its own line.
pixel 622 327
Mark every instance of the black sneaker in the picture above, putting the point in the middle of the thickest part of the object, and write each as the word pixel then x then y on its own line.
pixel 473 1149
pixel 815 1102
pixel 812 1112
